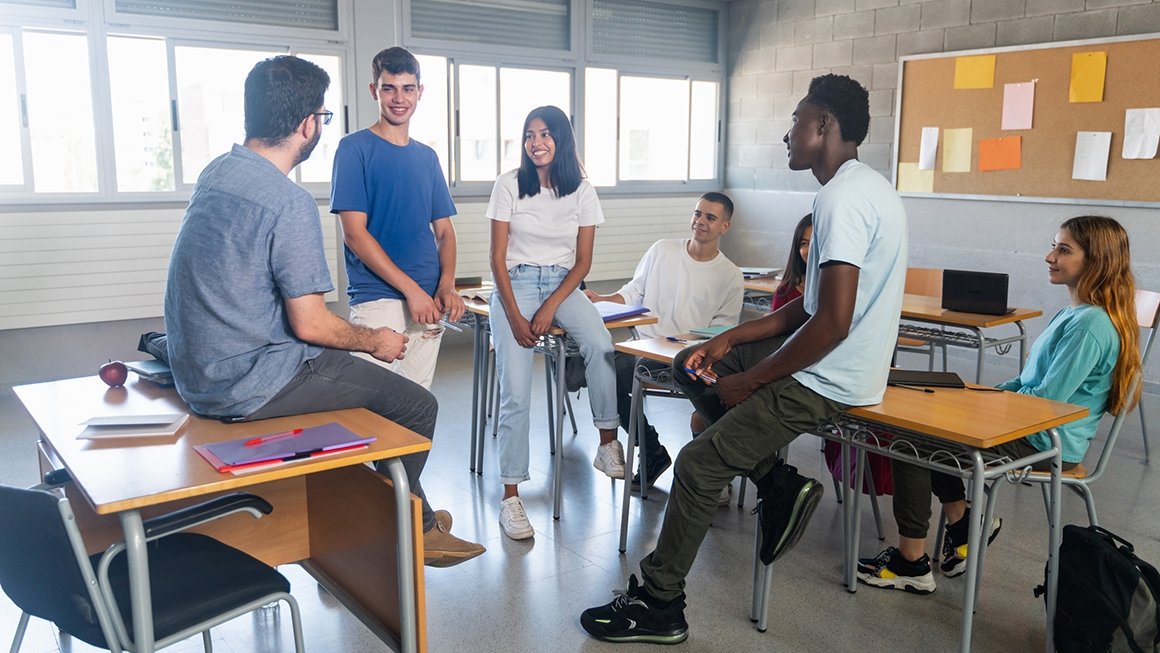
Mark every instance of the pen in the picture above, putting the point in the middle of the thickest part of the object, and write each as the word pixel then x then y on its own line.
pixel 711 380
pixel 675 339
pixel 272 437
pixel 912 387
pixel 450 325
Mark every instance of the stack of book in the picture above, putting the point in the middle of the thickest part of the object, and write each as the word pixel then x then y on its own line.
pixel 154 371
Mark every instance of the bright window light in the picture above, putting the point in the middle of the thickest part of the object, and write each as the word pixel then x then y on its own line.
pixel 600 126
pixel 11 164
pixel 522 90
pixel 60 114
pixel 654 128
pixel 142 126
pixel 703 122
pixel 430 120
pixel 478 158
pixel 321 162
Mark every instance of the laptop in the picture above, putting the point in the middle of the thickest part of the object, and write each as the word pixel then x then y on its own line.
pixel 967 291
pixel 923 378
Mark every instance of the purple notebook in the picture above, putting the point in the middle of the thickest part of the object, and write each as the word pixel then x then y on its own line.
pixel 286 445
pixel 613 311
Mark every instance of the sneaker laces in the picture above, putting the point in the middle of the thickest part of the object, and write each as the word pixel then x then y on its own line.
pixel 624 599
pixel 884 556
pixel 516 510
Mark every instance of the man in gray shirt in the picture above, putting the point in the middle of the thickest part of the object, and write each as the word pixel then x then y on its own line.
pixel 250 336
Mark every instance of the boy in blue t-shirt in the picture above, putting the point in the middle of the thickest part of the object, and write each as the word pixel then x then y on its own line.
pixel 395 208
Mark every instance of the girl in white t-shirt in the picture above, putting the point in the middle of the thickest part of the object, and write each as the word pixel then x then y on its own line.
pixel 543 223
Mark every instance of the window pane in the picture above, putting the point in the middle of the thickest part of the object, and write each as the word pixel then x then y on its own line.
pixel 520 91
pixel 654 128
pixel 318 167
pixel 429 123
pixel 600 126
pixel 703 131
pixel 477 124
pixel 11 164
pixel 210 100
pixel 142 133
pixel 60 114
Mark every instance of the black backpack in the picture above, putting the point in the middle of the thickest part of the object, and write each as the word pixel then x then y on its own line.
pixel 1108 598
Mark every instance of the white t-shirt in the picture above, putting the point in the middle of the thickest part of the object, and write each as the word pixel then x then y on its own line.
pixel 683 292
pixel 859 219
pixel 543 227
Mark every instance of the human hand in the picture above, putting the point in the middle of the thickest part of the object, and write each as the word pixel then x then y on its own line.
pixel 388 345
pixel 734 388
pixel 542 320
pixel 424 309
pixel 592 296
pixel 703 357
pixel 450 304
pixel 522 331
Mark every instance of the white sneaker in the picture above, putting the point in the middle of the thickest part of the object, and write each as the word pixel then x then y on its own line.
pixel 726 495
pixel 610 459
pixel 514 520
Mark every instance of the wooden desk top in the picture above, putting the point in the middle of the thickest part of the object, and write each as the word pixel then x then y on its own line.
pixel 484 309
pixel 929 309
pixel 126 473
pixel 976 418
pixel 762 284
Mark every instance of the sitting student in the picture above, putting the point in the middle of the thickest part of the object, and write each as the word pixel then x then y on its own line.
pixel 1087 356
pixel 687 283
pixel 793 281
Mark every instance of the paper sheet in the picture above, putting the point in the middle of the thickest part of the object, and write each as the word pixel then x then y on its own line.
pixel 1091 156
pixel 975 72
pixel 1141 133
pixel 911 179
pixel 928 148
pixel 1001 154
pixel 957 150
pixel 1087 76
pixel 1018 105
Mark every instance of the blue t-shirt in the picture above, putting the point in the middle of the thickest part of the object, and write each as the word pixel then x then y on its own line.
pixel 402 190
pixel 1072 361
pixel 250 238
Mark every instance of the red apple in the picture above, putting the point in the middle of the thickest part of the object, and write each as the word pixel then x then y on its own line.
pixel 114 373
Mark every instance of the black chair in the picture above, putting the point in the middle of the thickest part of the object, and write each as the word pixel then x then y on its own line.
pixel 196 581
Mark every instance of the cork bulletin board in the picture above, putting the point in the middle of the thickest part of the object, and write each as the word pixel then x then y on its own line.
pixel 1047 150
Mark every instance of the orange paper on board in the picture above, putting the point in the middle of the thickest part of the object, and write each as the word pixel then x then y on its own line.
pixel 1001 154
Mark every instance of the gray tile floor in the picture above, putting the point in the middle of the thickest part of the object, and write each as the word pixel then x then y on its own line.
pixel 527 596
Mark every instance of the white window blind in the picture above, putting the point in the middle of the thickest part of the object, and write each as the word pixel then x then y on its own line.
pixel 311 14
pixel 543 24
pixel 647 30
pixel 53 4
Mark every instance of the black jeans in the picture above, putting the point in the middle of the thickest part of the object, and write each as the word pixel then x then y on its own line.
pixel 626 365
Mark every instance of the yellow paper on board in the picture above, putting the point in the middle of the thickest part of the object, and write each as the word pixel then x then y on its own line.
pixel 957 150
pixel 1087 76
pixel 975 72
pixel 913 180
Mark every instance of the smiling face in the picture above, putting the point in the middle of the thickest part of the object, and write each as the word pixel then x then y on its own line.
pixel 397 95
pixel 539 144
pixel 804 138
pixel 804 244
pixel 710 221
pixel 1065 260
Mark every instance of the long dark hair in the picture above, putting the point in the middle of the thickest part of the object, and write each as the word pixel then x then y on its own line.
pixel 795 267
pixel 565 171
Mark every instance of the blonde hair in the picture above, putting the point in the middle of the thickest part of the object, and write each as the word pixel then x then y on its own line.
pixel 1106 281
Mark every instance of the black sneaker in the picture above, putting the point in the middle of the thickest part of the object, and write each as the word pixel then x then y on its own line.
pixel 891 570
pixel 786 500
pixel 657 464
pixel 634 616
pixel 954 548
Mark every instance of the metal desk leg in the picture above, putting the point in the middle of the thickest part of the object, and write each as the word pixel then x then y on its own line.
pixel 408 631
pixel 974 543
pixel 558 476
pixel 480 426
pixel 854 499
pixel 1053 537
pixel 637 396
pixel 982 352
pixel 137 556
pixel 548 394
pixel 1022 344
pixel 848 554
pixel 477 385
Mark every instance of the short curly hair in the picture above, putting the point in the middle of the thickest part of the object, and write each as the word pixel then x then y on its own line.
pixel 847 100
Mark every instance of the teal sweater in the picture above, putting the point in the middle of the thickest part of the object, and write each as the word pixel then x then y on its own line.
pixel 1072 361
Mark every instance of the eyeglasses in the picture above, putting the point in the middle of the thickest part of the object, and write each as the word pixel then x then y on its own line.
pixel 326 116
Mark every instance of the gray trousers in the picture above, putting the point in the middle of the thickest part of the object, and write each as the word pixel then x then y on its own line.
pixel 336 380
pixel 740 440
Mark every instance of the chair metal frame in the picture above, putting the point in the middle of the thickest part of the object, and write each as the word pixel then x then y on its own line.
pixel 1148 317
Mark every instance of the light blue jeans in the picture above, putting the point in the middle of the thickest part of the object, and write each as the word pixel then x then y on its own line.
pixel 531 285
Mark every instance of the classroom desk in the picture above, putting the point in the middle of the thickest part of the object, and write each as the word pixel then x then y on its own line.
pixel 355 531
pixel 949 430
pixel 556 345
pixel 929 310
pixel 757 289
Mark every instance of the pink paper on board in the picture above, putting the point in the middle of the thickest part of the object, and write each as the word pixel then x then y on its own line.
pixel 1018 105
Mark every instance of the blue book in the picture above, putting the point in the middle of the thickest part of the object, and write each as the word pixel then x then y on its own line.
pixel 613 311
pixel 287 445
pixel 711 331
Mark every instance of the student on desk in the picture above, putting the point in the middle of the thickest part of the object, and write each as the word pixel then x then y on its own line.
pixel 793 282
pixel 687 283
pixel 250 336
pixel 543 225
pixel 1088 355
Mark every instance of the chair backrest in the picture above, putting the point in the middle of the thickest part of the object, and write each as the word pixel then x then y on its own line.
pixel 43 565
pixel 924 281
pixel 1114 433
pixel 1147 316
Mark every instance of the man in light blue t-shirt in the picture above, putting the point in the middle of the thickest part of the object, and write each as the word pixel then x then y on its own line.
pixel 764 382
pixel 395 208
pixel 250 336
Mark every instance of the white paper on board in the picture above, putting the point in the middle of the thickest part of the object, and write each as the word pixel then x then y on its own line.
pixel 928 148
pixel 1091 156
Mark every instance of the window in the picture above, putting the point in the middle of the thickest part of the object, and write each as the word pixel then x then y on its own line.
pixel 11 167
pixel 60 112
pixel 142 126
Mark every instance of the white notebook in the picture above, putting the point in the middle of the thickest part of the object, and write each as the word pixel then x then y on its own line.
pixel 133 426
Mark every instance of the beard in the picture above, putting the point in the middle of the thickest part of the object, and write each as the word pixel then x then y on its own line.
pixel 305 151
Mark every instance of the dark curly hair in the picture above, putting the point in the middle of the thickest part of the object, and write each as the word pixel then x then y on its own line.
pixel 847 100
pixel 280 92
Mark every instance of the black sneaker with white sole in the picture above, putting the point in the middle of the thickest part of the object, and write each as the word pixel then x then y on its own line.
pixel 890 570
pixel 954 548
pixel 634 616
pixel 657 463
pixel 785 500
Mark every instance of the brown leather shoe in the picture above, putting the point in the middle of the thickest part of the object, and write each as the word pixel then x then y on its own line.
pixel 442 549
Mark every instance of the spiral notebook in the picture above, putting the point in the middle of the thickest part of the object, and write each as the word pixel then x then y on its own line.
pixel 285 446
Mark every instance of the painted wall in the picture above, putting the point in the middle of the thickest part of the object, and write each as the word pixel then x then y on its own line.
pixel 777 46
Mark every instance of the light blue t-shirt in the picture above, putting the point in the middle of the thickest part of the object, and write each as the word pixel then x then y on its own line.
pixel 250 238
pixel 859 219
pixel 402 190
pixel 1072 361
